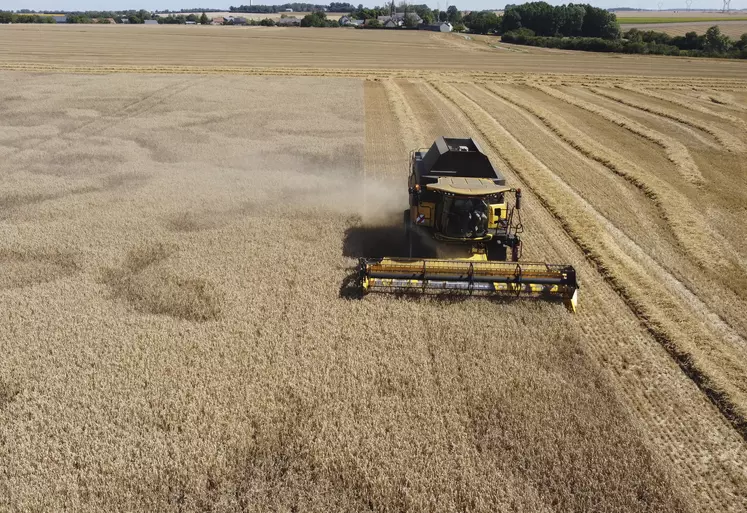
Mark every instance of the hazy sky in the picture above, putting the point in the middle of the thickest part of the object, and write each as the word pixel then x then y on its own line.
pixel 82 5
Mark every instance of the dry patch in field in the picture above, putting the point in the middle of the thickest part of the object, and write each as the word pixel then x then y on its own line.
pixel 28 267
pixel 150 288
pixel 8 392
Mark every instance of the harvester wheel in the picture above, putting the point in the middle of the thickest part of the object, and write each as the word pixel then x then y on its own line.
pixel 497 252
pixel 408 232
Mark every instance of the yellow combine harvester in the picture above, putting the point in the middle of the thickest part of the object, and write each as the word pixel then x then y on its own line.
pixel 464 234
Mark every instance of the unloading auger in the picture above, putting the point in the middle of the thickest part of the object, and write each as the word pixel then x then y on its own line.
pixel 459 206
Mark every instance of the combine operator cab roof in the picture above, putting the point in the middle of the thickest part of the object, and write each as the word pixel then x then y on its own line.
pixel 460 158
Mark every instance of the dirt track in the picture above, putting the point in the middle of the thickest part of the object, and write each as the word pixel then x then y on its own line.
pixel 175 321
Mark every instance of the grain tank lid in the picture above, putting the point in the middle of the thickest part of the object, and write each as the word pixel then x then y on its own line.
pixel 466 186
pixel 459 157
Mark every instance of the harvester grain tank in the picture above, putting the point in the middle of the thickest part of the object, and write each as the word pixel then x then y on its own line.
pixel 463 228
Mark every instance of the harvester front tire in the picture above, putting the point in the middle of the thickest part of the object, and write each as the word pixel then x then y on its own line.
pixel 497 252
pixel 408 232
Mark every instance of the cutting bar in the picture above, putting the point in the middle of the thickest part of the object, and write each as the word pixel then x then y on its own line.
pixel 525 279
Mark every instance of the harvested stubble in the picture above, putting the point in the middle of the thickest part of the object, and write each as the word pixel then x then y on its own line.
pixel 673 98
pixel 726 139
pixel 676 152
pixel 203 355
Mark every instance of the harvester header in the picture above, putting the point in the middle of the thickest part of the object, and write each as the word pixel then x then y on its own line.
pixel 472 277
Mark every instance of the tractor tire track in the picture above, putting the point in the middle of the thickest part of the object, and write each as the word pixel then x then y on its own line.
pixel 412 137
pixel 136 108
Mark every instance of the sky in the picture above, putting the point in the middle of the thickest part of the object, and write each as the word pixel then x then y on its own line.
pixel 103 5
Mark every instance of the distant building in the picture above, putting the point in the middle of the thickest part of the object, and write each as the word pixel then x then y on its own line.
pixel 60 19
pixel 291 21
pixel 218 21
pixel 238 20
pixel 398 20
pixel 125 20
pixel 348 21
pixel 437 27
pixel 289 10
pixel 190 23
pixel 151 22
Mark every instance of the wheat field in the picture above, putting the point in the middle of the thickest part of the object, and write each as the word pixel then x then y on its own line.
pixel 177 244
pixel 733 29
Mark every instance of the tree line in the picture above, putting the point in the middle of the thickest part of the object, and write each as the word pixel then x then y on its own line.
pixel 132 16
pixel 11 17
pixel 428 15
pixel 571 20
pixel 711 44
pixel 181 19
pixel 103 17
pixel 543 19
pixel 196 10
pixel 297 7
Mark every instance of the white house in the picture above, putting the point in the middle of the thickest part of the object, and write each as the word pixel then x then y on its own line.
pixel 348 21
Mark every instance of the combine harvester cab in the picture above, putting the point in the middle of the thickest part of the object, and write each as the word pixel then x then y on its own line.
pixel 459 206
